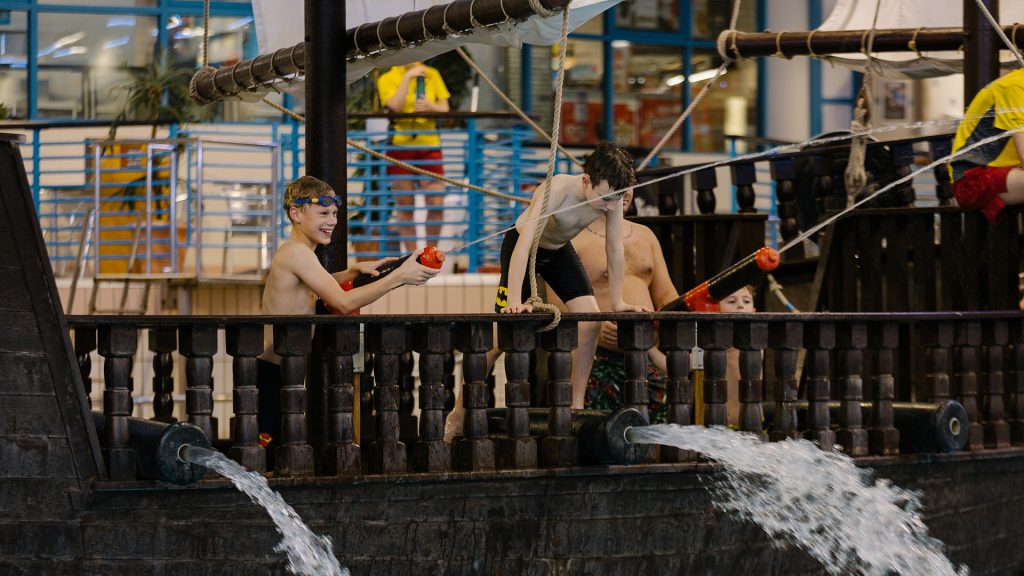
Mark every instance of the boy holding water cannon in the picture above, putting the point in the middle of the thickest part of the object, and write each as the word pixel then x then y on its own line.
pixel 297 279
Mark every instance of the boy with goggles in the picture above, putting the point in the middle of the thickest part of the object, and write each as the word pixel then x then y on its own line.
pixel 297 278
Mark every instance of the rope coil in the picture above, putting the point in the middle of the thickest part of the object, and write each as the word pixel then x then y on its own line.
pixel 541 10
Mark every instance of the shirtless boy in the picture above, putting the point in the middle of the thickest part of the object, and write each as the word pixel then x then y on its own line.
pixel 297 278
pixel 607 169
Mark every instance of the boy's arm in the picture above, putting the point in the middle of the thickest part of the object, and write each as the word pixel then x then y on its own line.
pixel 616 260
pixel 305 266
pixel 367 267
pixel 521 256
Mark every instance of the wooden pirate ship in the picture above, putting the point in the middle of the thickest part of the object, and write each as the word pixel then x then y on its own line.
pixel 403 501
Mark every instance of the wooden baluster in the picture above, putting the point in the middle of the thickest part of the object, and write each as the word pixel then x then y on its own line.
pixel 744 177
pixel 940 148
pixel 367 430
pixel 751 338
pixel 667 191
pixel 117 345
pixel 294 455
pixel 560 447
pixel 449 381
pixel 1015 390
pixel 163 342
pixel 715 337
pixel 883 437
pixel 676 339
pixel 996 430
pixel 198 344
pixel 852 340
pixel 636 337
pixel 902 154
pixel 340 455
pixel 244 343
pixel 433 341
pixel 407 424
pixel 387 342
pixel 965 376
pixel 85 343
pixel 819 339
pixel 517 449
pixel 786 338
pixel 822 183
pixel 783 171
pixel 704 182
pixel 937 338
pixel 474 451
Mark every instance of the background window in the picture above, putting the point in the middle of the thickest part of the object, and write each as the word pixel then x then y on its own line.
pixel 13 59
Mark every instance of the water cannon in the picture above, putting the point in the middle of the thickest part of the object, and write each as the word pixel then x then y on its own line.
pixel 156 445
pixel 431 257
pixel 705 297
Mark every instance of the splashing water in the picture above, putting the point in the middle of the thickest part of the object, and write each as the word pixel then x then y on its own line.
pixel 818 500
pixel 308 554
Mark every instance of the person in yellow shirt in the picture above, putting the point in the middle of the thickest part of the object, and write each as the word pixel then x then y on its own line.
pixel 408 89
pixel 991 176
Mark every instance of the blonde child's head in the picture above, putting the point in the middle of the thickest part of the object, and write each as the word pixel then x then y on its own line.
pixel 305 187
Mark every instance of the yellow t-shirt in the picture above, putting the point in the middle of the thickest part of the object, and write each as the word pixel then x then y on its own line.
pixel 387 85
pixel 1003 102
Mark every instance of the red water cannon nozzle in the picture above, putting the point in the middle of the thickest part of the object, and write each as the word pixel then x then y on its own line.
pixel 705 297
pixel 431 257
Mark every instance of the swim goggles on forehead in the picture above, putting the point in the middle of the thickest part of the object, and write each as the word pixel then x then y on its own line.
pixel 322 200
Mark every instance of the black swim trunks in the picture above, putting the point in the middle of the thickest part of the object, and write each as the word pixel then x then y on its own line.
pixel 561 269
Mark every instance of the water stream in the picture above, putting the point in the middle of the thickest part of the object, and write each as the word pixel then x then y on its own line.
pixel 308 554
pixel 820 501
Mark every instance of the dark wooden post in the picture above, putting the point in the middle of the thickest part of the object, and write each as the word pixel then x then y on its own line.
pixel 1015 388
pixel 407 424
pixel 559 447
pixel 883 437
pixel 340 455
pixel 819 339
pixel 744 177
pixel 822 184
pixel 636 337
pixel 996 430
pixel 198 344
pixel 85 343
pixel 751 339
pixel 786 338
pixel 783 171
pixel 902 154
pixel 937 338
pixel 244 343
pixel 715 337
pixel 433 341
pixel 449 381
pixel 968 337
pixel 117 345
pixel 940 148
pixel 704 182
pixel 677 339
pixel 518 449
pixel 474 451
pixel 294 455
pixel 387 342
pixel 852 340
pixel 981 47
pixel 163 342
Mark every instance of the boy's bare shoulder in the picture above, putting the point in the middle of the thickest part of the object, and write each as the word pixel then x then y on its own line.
pixel 291 253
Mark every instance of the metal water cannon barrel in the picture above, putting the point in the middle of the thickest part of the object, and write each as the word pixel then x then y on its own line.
pixel 156 445
pixel 601 433
pixel 924 427
pixel 706 296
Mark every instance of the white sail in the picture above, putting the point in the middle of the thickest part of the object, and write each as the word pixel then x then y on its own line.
pixel 279 24
pixel 909 14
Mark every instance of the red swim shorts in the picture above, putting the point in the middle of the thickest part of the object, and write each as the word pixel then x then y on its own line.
pixel 428 159
pixel 979 189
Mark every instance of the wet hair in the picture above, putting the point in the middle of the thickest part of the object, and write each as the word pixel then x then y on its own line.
pixel 610 163
pixel 305 187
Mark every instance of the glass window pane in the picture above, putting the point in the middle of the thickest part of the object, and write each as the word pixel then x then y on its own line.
pixel 582 99
pixel 13 56
pixel 729 108
pixel 81 61
pixel 710 17
pixel 232 39
pixel 647 84
pixel 661 15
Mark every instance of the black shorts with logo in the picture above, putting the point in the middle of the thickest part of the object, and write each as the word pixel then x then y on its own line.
pixel 561 269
